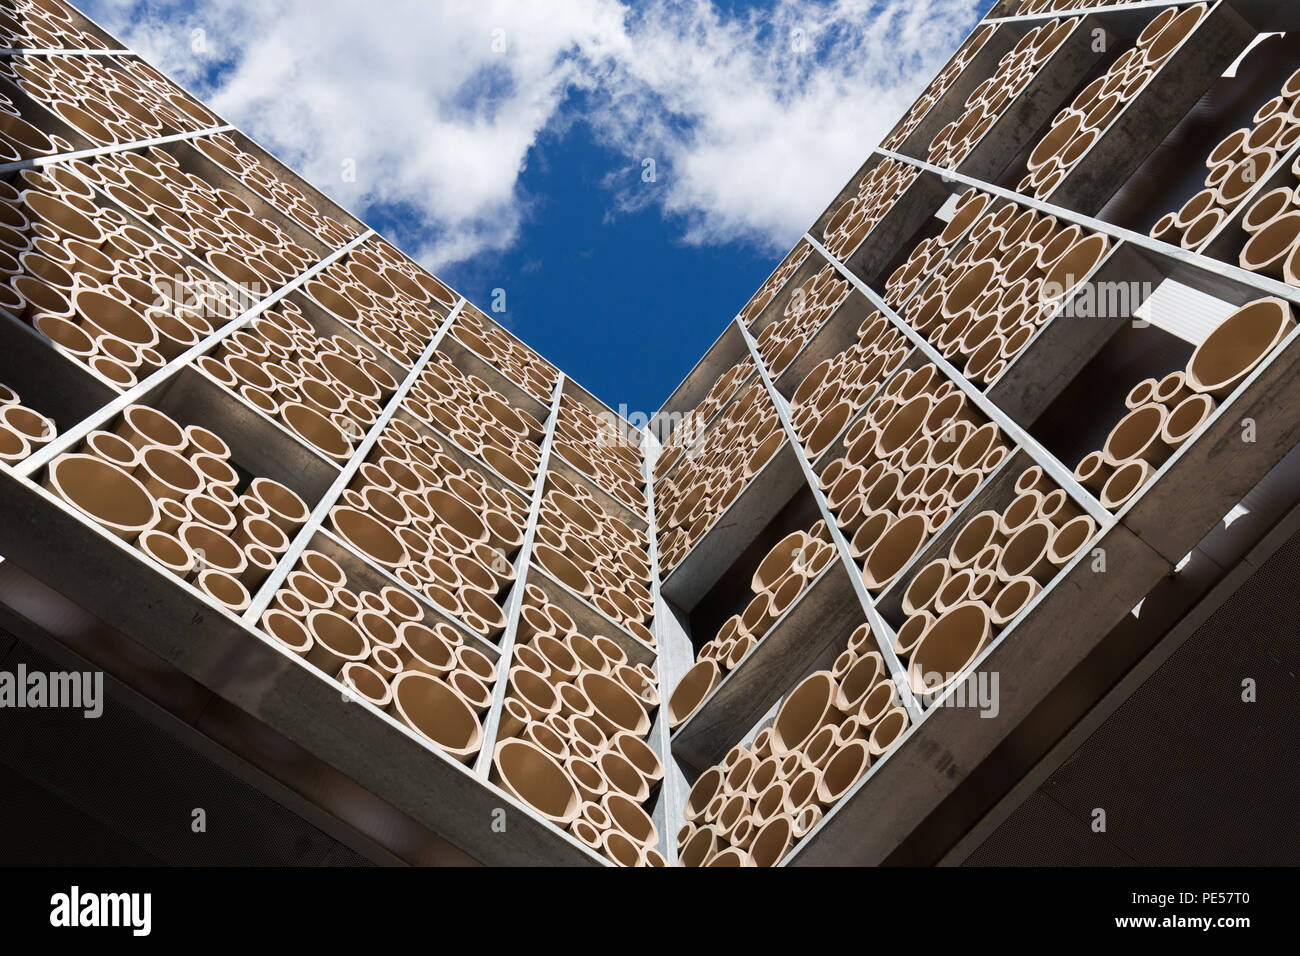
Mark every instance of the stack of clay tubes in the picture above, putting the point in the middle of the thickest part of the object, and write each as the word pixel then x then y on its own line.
pixel 1165 414
pixel 571 742
pixel 479 419
pixel 760 801
pixel 768 290
pixel 107 293
pixel 937 88
pixel 443 530
pixel 837 388
pixel 595 554
pixel 45 25
pixel 382 648
pixel 327 391
pixel 175 493
pixel 859 214
pixel 696 421
pixel 380 302
pixel 1242 159
pixel 1273 220
pixel 1051 6
pixel 600 451
pixel 1083 122
pixel 214 225
pixel 253 173
pixel 994 96
pixel 997 564
pixel 811 305
pixel 514 359
pixel 23 430
pixel 107 99
pixel 979 296
pixel 742 439
pixel 917 455
pixel 20 140
pixel 783 575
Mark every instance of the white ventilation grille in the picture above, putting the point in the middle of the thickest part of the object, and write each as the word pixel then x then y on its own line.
pixel 1183 311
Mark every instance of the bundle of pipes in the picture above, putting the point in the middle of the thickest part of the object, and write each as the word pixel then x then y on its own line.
pixel 754 806
pixel 980 289
pixel 784 574
pixel 917 455
pixel 997 564
pixel 571 742
pixel 174 492
pixel 1165 414
pixel 1077 127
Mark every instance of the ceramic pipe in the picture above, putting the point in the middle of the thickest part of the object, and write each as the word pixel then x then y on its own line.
pixel 33 426
pixel 1070 538
pixel 1026 553
pixel 858 682
pixel 434 710
pixel 534 692
pixel 288 630
pixel 366 683
pixel 772 841
pixel 1074 265
pixel 695 685
pixel 142 426
pixel 167 551
pixel 591 785
pixel 803 787
pixel 1237 345
pixel 535 778
pixel 224 589
pixel 845 767
pixel 1137 436
pixel 335 641
pixel 1023 509
pixel 545 737
pixel 810 706
pixel 1267 250
pixel 899 543
pixel 877 702
pixel 1267 208
pixel 1093 471
pixel 284 506
pixel 369 536
pixel 1125 482
pixel 628 816
pixel 1186 419
pixel 315 594
pixel 702 846
pixel 14 447
pixel 948 646
pixel 910 633
pixel 324 568
pixel 105 493
pixel 616 708
pixel 423 649
pixel 514 717
pixel 887 731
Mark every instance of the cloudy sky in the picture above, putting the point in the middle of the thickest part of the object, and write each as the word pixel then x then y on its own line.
pixel 627 173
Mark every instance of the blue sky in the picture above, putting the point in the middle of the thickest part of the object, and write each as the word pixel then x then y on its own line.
pixel 503 142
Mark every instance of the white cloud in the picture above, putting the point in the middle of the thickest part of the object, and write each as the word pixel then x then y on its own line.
pixel 754 120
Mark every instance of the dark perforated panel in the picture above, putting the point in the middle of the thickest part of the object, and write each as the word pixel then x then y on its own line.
pixel 117 789
pixel 1187 773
